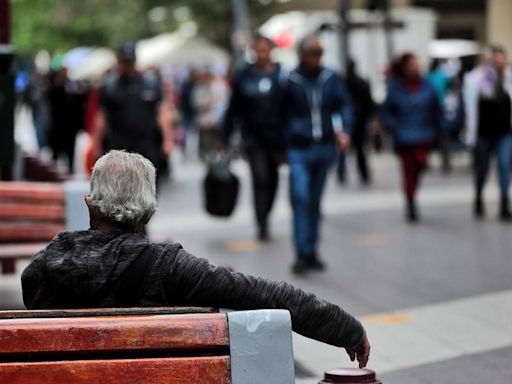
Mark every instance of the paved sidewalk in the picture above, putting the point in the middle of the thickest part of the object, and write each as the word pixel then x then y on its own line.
pixel 435 297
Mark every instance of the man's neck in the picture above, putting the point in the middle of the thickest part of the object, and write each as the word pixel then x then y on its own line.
pixel 310 72
pixel 105 226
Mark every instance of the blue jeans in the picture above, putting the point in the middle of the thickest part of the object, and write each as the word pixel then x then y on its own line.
pixel 308 172
pixel 483 150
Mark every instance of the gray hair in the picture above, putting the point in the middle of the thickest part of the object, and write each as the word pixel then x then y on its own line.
pixel 123 188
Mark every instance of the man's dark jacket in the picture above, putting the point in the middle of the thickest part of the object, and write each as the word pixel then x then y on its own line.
pixel 77 268
pixel 255 104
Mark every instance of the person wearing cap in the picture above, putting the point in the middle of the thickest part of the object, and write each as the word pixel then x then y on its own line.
pixel 132 115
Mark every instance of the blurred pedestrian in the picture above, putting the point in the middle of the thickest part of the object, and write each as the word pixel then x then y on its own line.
pixel 364 107
pixel 487 98
pixel 132 113
pixel 412 112
pixel 187 109
pixel 255 105
pixel 453 121
pixel 318 117
pixel 38 98
pixel 209 99
pixel 64 125
pixel 438 78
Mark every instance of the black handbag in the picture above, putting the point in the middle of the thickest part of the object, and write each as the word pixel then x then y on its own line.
pixel 220 188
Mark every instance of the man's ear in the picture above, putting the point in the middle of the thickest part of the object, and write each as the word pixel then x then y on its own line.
pixel 87 199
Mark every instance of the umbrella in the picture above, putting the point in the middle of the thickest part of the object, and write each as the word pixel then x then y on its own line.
pixel 198 51
pixel 98 62
pixel 156 50
pixel 452 48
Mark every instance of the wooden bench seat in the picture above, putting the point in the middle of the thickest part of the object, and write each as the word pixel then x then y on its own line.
pixel 146 346
pixel 32 213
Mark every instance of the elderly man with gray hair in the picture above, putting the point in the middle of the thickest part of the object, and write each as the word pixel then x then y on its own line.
pixel 113 264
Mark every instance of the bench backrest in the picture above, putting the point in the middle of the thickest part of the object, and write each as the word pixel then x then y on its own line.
pixel 141 348
pixel 145 346
pixel 31 212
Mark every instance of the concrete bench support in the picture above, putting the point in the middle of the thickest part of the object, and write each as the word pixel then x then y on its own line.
pixel 261 347
pixel 77 217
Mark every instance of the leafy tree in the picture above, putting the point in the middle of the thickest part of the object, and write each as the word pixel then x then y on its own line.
pixel 58 25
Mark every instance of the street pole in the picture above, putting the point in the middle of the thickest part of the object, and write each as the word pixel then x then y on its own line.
pixel 5 22
pixel 388 30
pixel 240 36
pixel 6 93
pixel 343 31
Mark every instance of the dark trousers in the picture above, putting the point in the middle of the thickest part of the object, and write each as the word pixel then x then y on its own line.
pixel 362 163
pixel 264 171
pixel 414 161
pixel 64 144
pixel 482 158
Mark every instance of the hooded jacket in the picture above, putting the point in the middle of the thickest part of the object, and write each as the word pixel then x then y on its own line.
pixel 78 270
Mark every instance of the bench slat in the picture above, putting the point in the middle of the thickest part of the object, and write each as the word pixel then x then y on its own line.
pixel 20 251
pixel 193 370
pixel 30 191
pixel 48 212
pixel 137 311
pixel 100 334
pixel 12 232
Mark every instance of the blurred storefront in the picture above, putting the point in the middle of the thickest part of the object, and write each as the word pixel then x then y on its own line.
pixel 485 21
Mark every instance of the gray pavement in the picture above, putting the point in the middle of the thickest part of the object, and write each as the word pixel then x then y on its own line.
pixel 402 280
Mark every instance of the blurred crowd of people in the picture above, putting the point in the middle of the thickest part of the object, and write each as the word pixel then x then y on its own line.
pixel 308 117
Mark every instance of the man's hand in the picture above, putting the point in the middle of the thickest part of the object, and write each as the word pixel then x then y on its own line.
pixel 361 352
pixel 343 141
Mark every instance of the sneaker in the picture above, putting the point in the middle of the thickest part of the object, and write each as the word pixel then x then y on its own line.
pixel 300 267
pixel 315 264
pixel 263 234
pixel 479 209
pixel 505 215
pixel 412 212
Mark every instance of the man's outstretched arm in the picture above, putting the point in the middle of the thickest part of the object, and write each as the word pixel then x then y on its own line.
pixel 200 283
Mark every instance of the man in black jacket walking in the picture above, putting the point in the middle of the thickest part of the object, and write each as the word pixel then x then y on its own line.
pixel 255 105
pixel 87 269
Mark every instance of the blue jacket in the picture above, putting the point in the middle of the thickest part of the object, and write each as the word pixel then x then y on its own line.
pixel 316 106
pixel 412 117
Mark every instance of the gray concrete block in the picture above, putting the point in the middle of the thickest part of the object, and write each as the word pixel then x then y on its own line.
pixel 77 216
pixel 261 347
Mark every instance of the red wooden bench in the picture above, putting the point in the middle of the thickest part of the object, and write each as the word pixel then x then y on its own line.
pixel 31 214
pixel 150 346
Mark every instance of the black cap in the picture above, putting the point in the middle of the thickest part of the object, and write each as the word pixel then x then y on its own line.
pixel 126 51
